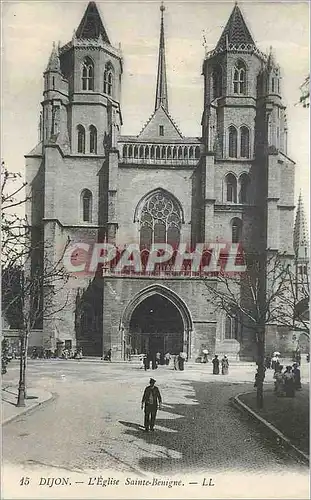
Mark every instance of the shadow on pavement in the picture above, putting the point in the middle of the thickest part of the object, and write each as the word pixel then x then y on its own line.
pixel 207 433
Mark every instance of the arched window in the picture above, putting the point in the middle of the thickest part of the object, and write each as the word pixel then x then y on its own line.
pixel 217 82
pixel 108 80
pixel 81 139
pixel 87 74
pixel 236 230
pixel 244 136
pixel 233 142
pixel 244 188
pixel 160 220
pixel 197 152
pixel 86 205
pixel 124 151
pixel 231 326
pixel 239 78
pixel 93 139
pixel 231 187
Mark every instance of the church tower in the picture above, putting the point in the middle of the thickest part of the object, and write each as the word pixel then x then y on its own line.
pixel 244 131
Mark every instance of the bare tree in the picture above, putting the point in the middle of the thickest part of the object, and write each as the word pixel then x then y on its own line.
pixel 31 281
pixel 305 92
pixel 241 297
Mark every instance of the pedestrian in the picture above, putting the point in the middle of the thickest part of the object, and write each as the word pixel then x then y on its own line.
pixel 204 358
pixel 224 365
pixel 152 401
pixel 147 361
pixel 109 355
pixel 142 361
pixel 158 358
pixel 153 358
pixel 175 361
pixel 181 361
pixel 215 362
pixel 279 382
pixel 167 358
pixel 308 357
pixel 273 362
pixel 289 383
pixel 268 362
pixel 297 377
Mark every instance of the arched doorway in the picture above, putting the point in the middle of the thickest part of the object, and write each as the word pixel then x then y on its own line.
pixel 156 325
pixel 167 328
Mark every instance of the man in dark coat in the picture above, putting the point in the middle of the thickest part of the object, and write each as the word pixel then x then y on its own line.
pixel 152 401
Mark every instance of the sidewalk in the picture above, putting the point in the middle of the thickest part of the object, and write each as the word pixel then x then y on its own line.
pixel 288 416
pixel 9 410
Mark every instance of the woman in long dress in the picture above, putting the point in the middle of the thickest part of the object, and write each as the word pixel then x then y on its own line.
pixel 224 365
pixel 289 382
pixel 215 362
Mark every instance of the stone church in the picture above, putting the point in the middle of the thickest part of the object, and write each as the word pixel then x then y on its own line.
pixel 91 184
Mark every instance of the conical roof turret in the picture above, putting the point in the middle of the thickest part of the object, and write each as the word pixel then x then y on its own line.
pixel 236 31
pixel 54 62
pixel 91 25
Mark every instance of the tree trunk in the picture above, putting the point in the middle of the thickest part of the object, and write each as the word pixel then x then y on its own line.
pixel 260 376
pixel 25 360
pixel 21 384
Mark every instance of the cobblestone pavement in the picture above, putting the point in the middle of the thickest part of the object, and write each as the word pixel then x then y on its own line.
pixel 95 421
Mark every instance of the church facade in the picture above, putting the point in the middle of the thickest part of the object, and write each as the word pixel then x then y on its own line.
pixel 92 184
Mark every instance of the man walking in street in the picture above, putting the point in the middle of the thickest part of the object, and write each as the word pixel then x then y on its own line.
pixel 152 401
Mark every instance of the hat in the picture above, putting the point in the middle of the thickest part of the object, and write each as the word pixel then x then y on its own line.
pixel 152 381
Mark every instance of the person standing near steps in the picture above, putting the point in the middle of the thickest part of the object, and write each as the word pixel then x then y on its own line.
pixel 152 401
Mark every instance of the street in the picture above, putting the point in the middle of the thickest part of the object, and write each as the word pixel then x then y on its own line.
pixel 95 421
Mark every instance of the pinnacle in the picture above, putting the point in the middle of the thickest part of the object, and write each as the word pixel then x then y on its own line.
pixel 54 63
pixel 300 229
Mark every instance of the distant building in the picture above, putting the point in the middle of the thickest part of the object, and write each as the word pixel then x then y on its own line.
pixel 91 183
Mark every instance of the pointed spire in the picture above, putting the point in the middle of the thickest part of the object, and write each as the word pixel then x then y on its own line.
pixel 301 243
pixel 235 31
pixel 271 59
pixel 161 93
pixel 91 25
pixel 54 63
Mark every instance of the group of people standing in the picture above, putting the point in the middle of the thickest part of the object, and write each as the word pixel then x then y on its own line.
pixel 224 365
pixel 287 382
pixel 156 359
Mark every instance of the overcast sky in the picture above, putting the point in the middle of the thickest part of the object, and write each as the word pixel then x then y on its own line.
pixel 29 29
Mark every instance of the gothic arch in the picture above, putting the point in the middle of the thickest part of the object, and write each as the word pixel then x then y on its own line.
pixel 87 74
pixel 157 289
pixel 239 77
pixel 145 198
pixel 108 86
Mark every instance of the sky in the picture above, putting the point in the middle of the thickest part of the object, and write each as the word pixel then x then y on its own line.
pixel 29 29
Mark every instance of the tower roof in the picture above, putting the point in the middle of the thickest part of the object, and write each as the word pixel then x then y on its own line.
pixel 301 243
pixel 91 25
pixel 235 31
pixel 161 92
pixel 54 63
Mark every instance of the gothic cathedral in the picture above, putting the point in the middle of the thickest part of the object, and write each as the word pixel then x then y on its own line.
pixel 92 184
